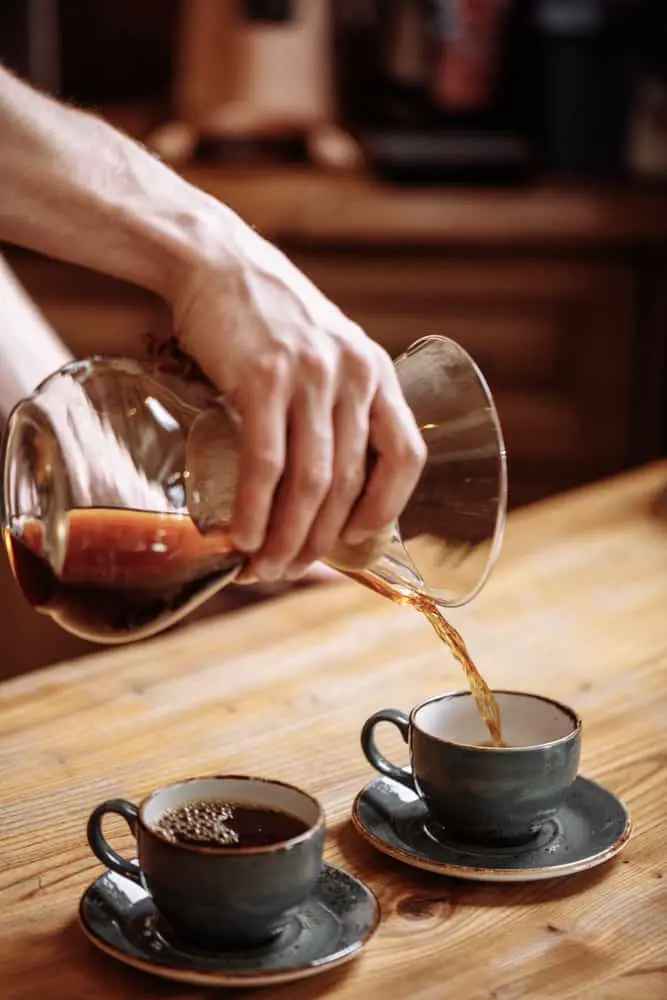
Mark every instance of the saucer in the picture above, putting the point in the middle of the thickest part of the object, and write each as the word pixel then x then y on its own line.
pixel 329 929
pixel 591 827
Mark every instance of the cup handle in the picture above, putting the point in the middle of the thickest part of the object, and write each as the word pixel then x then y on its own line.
pixel 373 755
pixel 99 845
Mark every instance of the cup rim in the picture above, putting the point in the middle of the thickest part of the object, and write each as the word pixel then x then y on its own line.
pixel 276 845
pixel 577 724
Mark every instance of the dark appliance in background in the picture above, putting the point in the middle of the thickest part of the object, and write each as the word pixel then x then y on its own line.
pixel 488 91
pixel 427 87
pixel 586 70
pixel 30 41
pixel 92 53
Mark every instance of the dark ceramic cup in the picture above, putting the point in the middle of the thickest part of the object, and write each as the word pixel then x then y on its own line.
pixel 480 793
pixel 214 897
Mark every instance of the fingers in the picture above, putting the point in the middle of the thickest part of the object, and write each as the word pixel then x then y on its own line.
pixel 351 424
pixel 262 457
pixel 306 441
pixel 400 457
pixel 307 479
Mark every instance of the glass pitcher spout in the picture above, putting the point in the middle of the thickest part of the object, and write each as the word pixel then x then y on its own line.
pixel 396 568
pixel 383 558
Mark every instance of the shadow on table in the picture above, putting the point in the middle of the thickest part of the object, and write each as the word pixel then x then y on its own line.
pixel 64 965
pixel 412 892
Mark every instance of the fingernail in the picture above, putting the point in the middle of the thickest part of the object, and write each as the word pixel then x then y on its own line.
pixel 295 572
pixel 245 542
pixel 356 536
pixel 268 571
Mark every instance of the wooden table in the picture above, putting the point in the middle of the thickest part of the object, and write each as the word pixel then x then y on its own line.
pixel 576 609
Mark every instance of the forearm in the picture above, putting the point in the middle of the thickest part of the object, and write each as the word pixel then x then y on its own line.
pixel 29 348
pixel 73 187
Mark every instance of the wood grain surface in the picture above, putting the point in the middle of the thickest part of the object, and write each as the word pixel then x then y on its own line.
pixel 575 609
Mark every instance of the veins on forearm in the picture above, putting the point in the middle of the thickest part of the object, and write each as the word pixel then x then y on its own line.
pixel 76 188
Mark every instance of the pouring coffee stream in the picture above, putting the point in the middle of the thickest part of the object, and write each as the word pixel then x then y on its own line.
pixel 119 480
pixel 211 492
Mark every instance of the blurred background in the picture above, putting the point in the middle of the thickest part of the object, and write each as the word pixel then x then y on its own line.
pixel 493 170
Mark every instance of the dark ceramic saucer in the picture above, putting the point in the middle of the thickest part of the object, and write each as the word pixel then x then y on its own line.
pixel 329 929
pixel 591 827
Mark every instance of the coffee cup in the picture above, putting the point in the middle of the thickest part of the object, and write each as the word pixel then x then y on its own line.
pixel 220 896
pixel 477 792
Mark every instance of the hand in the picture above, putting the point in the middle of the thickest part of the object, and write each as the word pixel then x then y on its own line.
pixel 316 397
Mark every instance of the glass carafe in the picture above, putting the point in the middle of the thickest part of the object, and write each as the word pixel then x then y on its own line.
pixel 118 481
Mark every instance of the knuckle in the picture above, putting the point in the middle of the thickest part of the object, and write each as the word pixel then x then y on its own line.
pixel 408 449
pixel 317 367
pixel 266 467
pixel 314 481
pixel 358 368
pixel 408 456
pixel 382 359
pixel 271 370
pixel 419 452
pixel 350 480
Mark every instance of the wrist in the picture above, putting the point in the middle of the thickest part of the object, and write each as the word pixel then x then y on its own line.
pixel 179 242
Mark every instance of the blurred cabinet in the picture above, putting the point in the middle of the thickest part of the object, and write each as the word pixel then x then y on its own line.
pixel 558 292
pixel 560 295
pixel 553 339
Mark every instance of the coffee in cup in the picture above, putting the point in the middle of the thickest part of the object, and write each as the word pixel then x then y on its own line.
pixel 225 859
pixel 478 792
